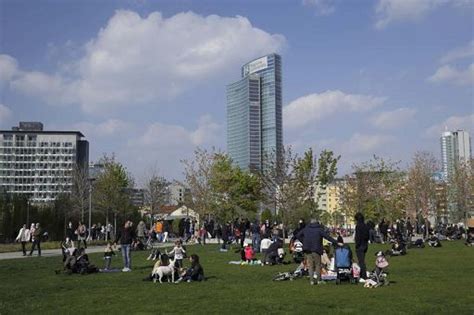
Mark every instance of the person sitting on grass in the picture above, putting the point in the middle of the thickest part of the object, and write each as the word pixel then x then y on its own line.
pixel 433 241
pixel 67 248
pixel 194 273
pixel 274 254
pixel 398 248
pixel 83 265
pixel 249 253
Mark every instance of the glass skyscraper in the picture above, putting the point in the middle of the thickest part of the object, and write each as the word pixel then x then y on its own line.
pixel 455 147
pixel 254 113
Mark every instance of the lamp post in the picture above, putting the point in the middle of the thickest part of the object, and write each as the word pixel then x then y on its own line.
pixel 90 204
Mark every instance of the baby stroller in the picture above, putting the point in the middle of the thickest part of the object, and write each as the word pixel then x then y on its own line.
pixel 343 264
pixel 298 255
pixel 379 276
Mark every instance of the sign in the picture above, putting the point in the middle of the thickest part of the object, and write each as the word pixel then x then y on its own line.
pixel 256 65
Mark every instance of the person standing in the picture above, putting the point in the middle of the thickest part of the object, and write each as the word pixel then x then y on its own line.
pixel 23 237
pixel 256 239
pixel 312 236
pixel 126 236
pixel 81 235
pixel 361 244
pixel 36 239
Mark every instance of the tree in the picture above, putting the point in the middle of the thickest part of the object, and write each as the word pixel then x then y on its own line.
pixel 374 188
pixel 326 172
pixel 420 189
pixel 110 188
pixel 197 173
pixel 155 192
pixel 461 191
pixel 80 191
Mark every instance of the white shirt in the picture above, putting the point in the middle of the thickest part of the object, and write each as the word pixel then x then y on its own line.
pixel 265 243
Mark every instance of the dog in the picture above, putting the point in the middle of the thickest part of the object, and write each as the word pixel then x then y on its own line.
pixel 161 271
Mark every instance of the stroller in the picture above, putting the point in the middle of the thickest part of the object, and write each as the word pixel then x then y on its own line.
pixel 343 264
pixel 298 255
pixel 379 276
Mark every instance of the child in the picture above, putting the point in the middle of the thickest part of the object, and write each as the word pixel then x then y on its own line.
pixel 249 253
pixel 378 278
pixel 108 253
pixel 178 252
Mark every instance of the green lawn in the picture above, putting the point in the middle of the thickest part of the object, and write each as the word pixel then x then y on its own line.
pixel 426 281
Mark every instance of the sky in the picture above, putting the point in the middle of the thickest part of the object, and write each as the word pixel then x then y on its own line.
pixel 146 80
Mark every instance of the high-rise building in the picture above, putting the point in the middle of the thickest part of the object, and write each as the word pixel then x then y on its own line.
pixel 455 147
pixel 254 113
pixel 40 163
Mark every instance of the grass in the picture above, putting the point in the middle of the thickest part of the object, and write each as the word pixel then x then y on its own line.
pixel 426 281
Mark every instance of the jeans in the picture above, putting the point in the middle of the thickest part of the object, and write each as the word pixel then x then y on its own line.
pixel 256 242
pixel 361 259
pixel 314 264
pixel 36 243
pixel 108 260
pixel 127 259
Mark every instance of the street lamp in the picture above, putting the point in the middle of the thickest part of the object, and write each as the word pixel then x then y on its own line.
pixel 90 204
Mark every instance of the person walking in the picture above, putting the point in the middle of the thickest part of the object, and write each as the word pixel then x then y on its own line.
pixel 361 244
pixel 126 236
pixel 23 237
pixel 36 239
pixel 312 236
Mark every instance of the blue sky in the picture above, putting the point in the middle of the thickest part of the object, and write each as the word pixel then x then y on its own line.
pixel 146 79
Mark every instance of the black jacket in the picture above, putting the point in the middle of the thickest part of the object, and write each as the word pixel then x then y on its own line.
pixel 361 236
pixel 126 236
pixel 312 236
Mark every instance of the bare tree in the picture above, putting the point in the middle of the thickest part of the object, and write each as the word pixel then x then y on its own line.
pixel 80 191
pixel 155 191
pixel 420 188
pixel 461 191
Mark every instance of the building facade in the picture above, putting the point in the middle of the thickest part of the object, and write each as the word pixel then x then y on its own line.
pixel 40 163
pixel 254 114
pixel 455 147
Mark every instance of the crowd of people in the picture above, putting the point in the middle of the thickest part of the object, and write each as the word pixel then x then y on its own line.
pixel 320 252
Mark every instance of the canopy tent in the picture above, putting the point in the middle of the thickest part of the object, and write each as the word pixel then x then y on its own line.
pixel 182 212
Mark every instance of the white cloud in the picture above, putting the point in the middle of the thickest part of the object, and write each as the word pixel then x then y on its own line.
pixel 166 144
pixel 5 113
pixel 8 68
pixel 314 107
pixel 138 60
pixel 366 144
pixel 459 53
pixel 451 123
pixel 389 11
pixel 393 119
pixel 452 75
pixel 322 7
pixel 107 128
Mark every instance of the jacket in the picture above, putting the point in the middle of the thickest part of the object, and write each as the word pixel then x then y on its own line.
pixel 23 235
pixel 312 236
pixel 126 236
pixel 361 236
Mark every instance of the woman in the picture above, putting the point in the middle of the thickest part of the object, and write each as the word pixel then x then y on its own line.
pixel 195 272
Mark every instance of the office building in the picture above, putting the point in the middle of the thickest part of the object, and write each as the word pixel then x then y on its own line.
pixel 455 147
pixel 40 163
pixel 254 114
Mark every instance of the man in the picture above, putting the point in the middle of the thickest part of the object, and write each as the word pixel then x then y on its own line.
pixel 312 236
pixel 255 229
pixel 126 236
pixel 23 237
pixel 36 239
pixel 361 244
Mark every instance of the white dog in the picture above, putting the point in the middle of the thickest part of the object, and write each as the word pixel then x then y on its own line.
pixel 162 271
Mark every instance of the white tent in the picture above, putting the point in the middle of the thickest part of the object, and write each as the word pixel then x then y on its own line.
pixel 182 212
